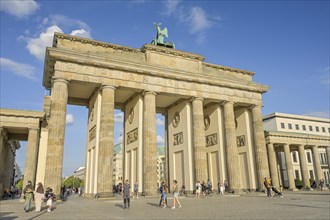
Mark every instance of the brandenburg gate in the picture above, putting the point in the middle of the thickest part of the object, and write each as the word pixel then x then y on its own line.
pixel 213 121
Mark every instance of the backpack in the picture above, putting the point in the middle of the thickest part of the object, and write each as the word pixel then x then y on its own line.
pixel 197 187
pixel 161 189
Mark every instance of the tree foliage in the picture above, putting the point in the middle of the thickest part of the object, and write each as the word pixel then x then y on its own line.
pixel 73 182
pixel 19 184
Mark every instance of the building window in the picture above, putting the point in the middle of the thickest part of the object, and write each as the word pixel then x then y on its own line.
pixel 297 127
pixel 296 172
pixel 282 125
pixel 290 126
pixel 311 128
pixel 317 129
pixel 329 130
pixel 311 174
pixel 304 127
pixel 294 157
pixel 309 159
pixel 323 129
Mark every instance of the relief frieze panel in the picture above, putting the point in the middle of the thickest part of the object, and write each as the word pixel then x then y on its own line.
pixel 178 138
pixel 132 136
pixel 92 134
pixel 211 140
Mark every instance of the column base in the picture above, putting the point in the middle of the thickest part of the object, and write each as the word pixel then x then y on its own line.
pixel 293 190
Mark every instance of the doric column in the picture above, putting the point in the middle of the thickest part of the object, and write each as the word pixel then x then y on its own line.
pixel 260 146
pixel 289 167
pixel 303 166
pixel 317 164
pixel 231 148
pixel 106 143
pixel 273 165
pixel 32 150
pixel 199 140
pixel 149 144
pixel 167 159
pixel 328 155
pixel 55 149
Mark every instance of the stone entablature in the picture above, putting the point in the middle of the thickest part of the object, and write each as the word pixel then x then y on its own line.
pixel 277 137
pixel 20 118
pixel 148 62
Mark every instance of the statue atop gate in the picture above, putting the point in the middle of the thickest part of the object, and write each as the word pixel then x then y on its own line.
pixel 161 34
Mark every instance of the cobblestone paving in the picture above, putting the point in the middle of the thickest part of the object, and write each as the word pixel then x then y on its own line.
pixel 294 205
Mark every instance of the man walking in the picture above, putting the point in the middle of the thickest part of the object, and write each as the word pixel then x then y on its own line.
pixel 126 194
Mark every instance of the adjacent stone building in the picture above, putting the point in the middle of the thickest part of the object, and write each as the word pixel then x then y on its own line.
pixel 298 148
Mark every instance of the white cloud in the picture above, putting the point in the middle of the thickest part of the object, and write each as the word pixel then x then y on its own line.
pixel 170 6
pixel 198 20
pixel 20 69
pixel 37 46
pixel 160 122
pixel 66 22
pixel 119 118
pixel 81 33
pixel 195 18
pixel 319 114
pixel 19 8
pixel 69 119
pixel 160 140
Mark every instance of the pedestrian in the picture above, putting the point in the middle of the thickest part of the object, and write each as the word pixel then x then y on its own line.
pixel 164 197
pixel 198 189
pixel 161 189
pixel 226 185
pixel 126 194
pixel 175 194
pixel 136 190
pixel 267 186
pixel 203 189
pixel 49 198
pixel 219 184
pixel 28 194
pixel 38 196
pixel 221 189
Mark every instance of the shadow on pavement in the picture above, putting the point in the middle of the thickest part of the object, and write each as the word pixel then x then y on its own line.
pixel 3 216
pixel 153 204
pixel 120 206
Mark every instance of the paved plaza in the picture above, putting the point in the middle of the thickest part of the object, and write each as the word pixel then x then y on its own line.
pixel 294 205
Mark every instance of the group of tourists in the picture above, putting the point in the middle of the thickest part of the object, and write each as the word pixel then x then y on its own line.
pixel 38 195
pixel 163 189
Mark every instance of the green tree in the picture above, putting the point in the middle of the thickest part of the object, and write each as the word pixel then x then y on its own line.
pixel 19 184
pixel 73 182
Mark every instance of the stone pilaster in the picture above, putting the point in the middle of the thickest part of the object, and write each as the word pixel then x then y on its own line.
pixel 317 164
pixel 303 166
pixel 31 160
pixel 2 159
pixel 149 144
pixel 199 140
pixel 105 151
pixel 328 155
pixel 273 165
pixel 54 159
pixel 260 146
pixel 233 168
pixel 289 167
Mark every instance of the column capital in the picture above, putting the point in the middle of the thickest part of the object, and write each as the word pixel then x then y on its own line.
pixel 196 98
pixel 228 102
pixel 253 106
pixel 33 129
pixel 106 86
pixel 146 92
pixel 60 79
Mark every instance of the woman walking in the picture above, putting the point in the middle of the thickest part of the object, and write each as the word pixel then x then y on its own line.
pixel 38 196
pixel 175 194
pixel 28 193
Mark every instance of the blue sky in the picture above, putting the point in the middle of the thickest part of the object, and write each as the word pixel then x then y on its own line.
pixel 285 42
